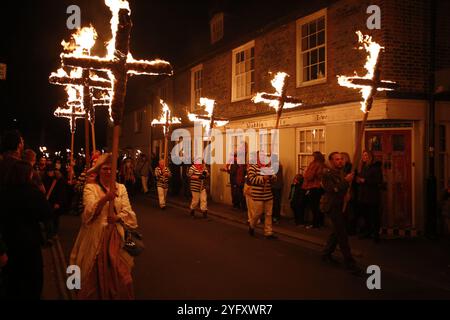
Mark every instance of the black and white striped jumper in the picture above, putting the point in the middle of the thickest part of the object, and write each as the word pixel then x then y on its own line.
pixel 161 180
pixel 197 183
pixel 256 180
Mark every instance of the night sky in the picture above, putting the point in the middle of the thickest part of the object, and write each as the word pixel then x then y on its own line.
pixel 32 31
pixel 31 35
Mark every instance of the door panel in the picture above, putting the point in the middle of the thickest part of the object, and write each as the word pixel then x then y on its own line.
pixel 393 149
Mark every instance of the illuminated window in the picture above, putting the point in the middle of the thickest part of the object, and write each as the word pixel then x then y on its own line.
pixel 196 86
pixel 243 72
pixel 309 140
pixel 312 49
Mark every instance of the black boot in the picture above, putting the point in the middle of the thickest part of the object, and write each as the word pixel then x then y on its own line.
pixel 192 213
pixel 205 214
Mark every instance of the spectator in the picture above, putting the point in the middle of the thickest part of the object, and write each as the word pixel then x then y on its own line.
pixel 237 174
pixel 370 182
pixel 24 207
pixel 296 197
pixel 30 156
pixel 313 190
pixel 143 171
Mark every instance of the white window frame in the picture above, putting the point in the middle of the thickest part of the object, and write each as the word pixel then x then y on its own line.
pixel 244 47
pixel 194 101
pixel 216 26
pixel 308 153
pixel 300 22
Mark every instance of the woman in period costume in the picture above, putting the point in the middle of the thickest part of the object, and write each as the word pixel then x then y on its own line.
pixel 105 266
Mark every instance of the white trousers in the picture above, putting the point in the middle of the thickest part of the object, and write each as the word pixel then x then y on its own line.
pixel 162 195
pixel 250 209
pixel 199 197
pixel 258 208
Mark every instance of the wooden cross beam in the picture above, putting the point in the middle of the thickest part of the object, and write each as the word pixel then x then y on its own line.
pixel 72 113
pixel 368 85
pixel 119 64
pixel 278 100
pixel 166 121
pixel 210 120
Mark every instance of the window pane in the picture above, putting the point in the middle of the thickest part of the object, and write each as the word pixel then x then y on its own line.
pixel 375 144
pixel 314 56
pixel 304 30
pixel 312 41
pixel 306 59
pixel 322 54
pixel 312 27
pixel 306 74
pixel 398 142
pixel 302 135
pixel 252 52
pixel 314 72
pixel 304 44
pixel 321 38
pixel 321 70
pixel 308 136
pixel 321 24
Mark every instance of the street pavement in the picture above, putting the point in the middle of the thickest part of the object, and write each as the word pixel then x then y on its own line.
pixel 194 258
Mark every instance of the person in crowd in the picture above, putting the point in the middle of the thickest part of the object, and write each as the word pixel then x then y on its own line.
pixel 55 187
pixel 30 156
pixel 312 189
pixel 198 173
pixel 248 188
pixel 370 181
pixel 98 249
pixel 336 184
pixel 237 174
pixel 277 189
pixel 353 212
pixel 23 208
pixel 143 171
pixel 12 146
pixel 127 176
pixel 261 179
pixel 295 198
pixel 79 166
pixel 41 166
pixel 162 174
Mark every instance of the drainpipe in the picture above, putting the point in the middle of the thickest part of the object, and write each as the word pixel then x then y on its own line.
pixel 431 203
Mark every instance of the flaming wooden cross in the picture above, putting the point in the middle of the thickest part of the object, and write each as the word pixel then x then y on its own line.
pixel 72 113
pixel 209 120
pixel 166 120
pixel 80 45
pixel 119 64
pixel 368 86
pixel 278 100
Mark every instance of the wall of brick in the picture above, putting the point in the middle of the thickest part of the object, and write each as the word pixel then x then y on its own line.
pixel 405 29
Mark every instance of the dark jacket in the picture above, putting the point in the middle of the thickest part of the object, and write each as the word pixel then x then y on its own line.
pixel 370 191
pixel 24 208
pixel 335 188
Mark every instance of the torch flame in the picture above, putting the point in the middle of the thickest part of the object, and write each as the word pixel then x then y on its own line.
pixel 163 119
pixel 278 82
pixel 373 49
pixel 209 108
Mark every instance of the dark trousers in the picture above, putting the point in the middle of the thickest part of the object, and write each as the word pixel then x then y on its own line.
pixel 338 235
pixel 311 199
pixel 237 197
pixel 276 208
pixel 372 219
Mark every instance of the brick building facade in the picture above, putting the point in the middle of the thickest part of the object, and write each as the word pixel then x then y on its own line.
pixel 314 44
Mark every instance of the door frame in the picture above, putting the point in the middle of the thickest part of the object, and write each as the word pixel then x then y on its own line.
pixel 413 163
